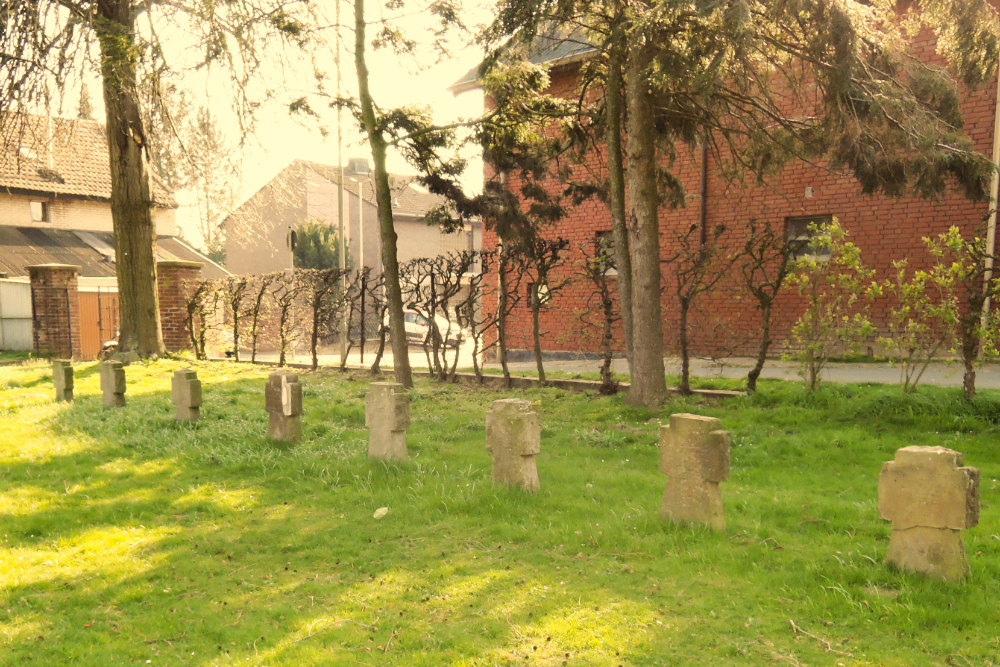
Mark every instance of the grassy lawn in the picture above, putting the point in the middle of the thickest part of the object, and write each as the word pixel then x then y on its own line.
pixel 13 356
pixel 128 538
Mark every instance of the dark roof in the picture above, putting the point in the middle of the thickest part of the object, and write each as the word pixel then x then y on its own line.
pixel 60 157
pixel 409 198
pixel 553 46
pixel 93 252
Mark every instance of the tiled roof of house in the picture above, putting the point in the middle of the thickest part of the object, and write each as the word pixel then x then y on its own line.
pixel 60 157
pixel 409 198
pixel 93 252
pixel 552 46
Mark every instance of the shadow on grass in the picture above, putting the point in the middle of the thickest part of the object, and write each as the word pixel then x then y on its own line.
pixel 205 543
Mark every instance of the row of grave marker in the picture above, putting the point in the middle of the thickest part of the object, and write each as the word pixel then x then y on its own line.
pixel 926 492
pixel 185 387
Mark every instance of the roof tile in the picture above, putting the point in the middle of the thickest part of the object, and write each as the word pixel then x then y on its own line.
pixel 60 156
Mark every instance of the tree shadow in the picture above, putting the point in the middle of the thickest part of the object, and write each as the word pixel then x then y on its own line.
pixel 205 543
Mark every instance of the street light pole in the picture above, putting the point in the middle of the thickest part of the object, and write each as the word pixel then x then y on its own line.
pixel 341 254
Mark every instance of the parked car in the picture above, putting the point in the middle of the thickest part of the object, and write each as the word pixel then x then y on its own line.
pixel 417 328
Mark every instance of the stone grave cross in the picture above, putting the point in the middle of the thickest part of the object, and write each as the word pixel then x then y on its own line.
pixel 283 400
pixel 387 414
pixel 930 498
pixel 113 384
pixel 694 455
pixel 513 436
pixel 185 390
pixel 62 378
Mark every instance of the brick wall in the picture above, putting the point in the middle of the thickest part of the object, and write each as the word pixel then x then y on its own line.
pixel 55 310
pixel 175 283
pixel 727 321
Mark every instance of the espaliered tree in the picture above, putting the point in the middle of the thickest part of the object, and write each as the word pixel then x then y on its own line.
pixel 321 289
pixel 259 307
pixel 377 304
pixel 412 132
pixel 598 262
pixel 766 262
pixel 544 257
pixel 200 306
pixel 236 291
pixel 697 265
pixel 518 203
pixel 52 45
pixel 758 83
pixel 469 313
pixel 285 293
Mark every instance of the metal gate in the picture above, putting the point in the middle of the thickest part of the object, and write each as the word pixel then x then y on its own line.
pixel 15 315
pixel 98 320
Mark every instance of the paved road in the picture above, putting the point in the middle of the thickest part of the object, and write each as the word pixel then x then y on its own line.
pixel 939 373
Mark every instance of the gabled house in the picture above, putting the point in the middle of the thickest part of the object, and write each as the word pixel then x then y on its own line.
pixel 55 208
pixel 55 201
pixel 258 232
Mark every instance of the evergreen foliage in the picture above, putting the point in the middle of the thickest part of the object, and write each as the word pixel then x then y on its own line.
pixel 317 246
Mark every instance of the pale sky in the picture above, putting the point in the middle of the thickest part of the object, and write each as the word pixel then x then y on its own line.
pixel 421 79
pixel 394 82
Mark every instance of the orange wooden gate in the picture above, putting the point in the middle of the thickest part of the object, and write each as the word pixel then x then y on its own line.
pixel 98 321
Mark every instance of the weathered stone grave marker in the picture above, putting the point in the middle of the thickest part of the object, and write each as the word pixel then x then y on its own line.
pixel 514 437
pixel 113 384
pixel 62 378
pixel 283 400
pixel 185 390
pixel 387 414
pixel 694 455
pixel 930 498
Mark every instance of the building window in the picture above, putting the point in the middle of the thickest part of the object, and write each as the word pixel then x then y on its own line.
pixel 39 211
pixel 802 229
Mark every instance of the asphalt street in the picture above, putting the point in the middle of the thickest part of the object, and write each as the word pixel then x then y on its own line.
pixel 941 373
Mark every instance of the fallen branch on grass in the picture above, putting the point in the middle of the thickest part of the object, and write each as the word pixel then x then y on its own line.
pixel 829 647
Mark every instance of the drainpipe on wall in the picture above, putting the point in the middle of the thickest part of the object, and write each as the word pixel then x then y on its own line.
pixel 704 193
pixel 991 222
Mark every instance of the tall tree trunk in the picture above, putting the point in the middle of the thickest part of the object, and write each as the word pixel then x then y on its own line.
pixel 649 385
pixel 383 198
pixel 131 188
pixel 616 186
pixel 608 384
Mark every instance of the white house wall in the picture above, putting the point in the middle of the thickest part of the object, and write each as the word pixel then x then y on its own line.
pixel 74 214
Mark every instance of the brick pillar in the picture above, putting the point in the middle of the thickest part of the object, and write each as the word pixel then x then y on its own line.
pixel 175 282
pixel 55 306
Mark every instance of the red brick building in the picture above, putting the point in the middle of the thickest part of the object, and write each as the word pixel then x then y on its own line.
pixel 726 321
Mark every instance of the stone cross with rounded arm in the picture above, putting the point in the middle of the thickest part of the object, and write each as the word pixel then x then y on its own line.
pixel 694 455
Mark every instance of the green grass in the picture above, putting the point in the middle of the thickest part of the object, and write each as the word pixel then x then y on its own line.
pixel 8 356
pixel 126 537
